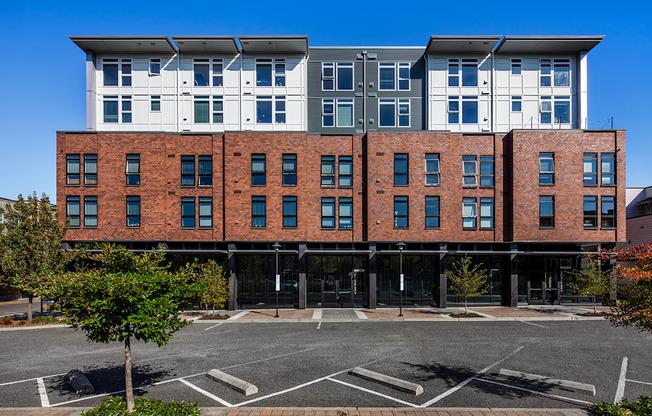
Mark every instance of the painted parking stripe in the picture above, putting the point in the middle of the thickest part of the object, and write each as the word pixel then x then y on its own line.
pixel 238 316
pixel 620 390
pixel 552 396
pixel 205 393
pixel 531 323
pixel 639 382
pixel 30 379
pixel 45 402
pixel 317 314
pixel 372 392
pixel 319 325
pixel 216 325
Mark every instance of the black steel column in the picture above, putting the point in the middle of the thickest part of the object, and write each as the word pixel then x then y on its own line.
pixel 510 293
pixel 233 280
pixel 372 277
pixel 441 289
pixel 303 285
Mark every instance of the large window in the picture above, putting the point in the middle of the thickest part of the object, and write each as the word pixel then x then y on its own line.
pixel 345 179
pixel 470 171
pixel 608 212
pixel 328 212
pixel 73 211
pixel 401 169
pixel 188 212
pixel 590 212
pixel 258 211
pixel 486 213
pixel 264 73
pixel 432 212
pixel 258 169
pixel 469 72
pixel 453 73
pixel 590 168
pixel 290 211
pixel 469 213
pixel 401 212
pixel 344 77
pixel 188 171
pixel 133 211
pixel 469 110
pixel 90 211
pixel 546 211
pixel 608 168
pixel 111 75
pixel 205 171
pixel 201 69
pixel 90 169
pixel 344 113
pixel 264 110
pixel 559 69
pixel 205 212
pixel 132 170
pixel 432 169
pixel 110 104
pixel 394 112
pixel 72 169
pixel 346 212
pixel 290 169
pixel 202 109
pixel 487 171
pixel 562 110
pixel 546 168
pixel 328 171
pixel 389 78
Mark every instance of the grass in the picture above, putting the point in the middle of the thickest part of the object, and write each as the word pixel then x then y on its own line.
pixel 16 322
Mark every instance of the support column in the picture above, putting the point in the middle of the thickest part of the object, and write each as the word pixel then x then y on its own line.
pixel 303 285
pixel 510 292
pixel 372 277
pixel 233 279
pixel 441 287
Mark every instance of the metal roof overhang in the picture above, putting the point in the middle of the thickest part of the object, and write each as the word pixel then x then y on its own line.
pixel 557 45
pixel 125 44
pixel 291 45
pixel 216 45
pixel 442 45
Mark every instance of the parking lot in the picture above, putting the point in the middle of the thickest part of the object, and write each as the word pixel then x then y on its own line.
pixel 307 364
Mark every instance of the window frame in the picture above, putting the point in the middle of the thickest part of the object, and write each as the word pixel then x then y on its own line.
pixel 401 199
pixel 126 109
pixel 187 178
pixel 344 102
pixel 432 173
pixel 590 199
pixel 432 199
pixel 188 213
pixel 204 180
pixel 289 177
pixel 74 220
pixel 89 201
pixel 256 175
pixel 469 63
pixel 545 101
pixel 472 202
pixel 326 178
pixel 90 173
pixel 453 77
pixel 204 201
pixel 345 221
pixel 484 161
pixel 606 157
pixel 546 199
pixel 590 178
pixel 470 99
pixel 344 65
pixel 325 114
pixel 470 160
pixel 398 174
pixel 453 112
pixel 516 63
pixel 280 99
pixel 134 158
pixel 543 156
pixel 290 199
pixel 110 99
pixel 151 68
pixel 607 199
pixel 328 202
pixel 73 178
pixel 344 161
pixel 136 200
pixel 387 65
pixel 155 103
pixel 327 78
pixel 487 202
pixel 258 199
pixel 517 104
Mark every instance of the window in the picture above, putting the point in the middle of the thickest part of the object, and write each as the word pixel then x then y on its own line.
pixel 218 110
pixel 264 110
pixel 546 110
pixel 289 169
pixel 401 212
pixel 258 211
pixel 188 171
pixel 590 169
pixel 188 212
pixel 155 103
pixel 387 76
pixel 453 73
pixel 345 77
pixel 279 74
pixel 90 169
pixel 344 113
pixel 133 211
pixel 608 212
pixel 328 112
pixel 258 169
pixel 546 211
pixel 516 67
pixel 202 109
pixel 469 213
pixel 328 171
pixel 590 212
pixel 328 213
pixel 201 73
pixel 486 213
pixel 110 108
pixel 126 73
pixel 72 170
pixel 290 211
pixel 469 110
pixel 73 211
pixel 546 168
pixel 432 212
pixel 562 73
pixel 516 103
pixel 453 110
pixel 126 108
pixel 562 110
pixel 133 170
pixel 264 73
pixel 205 212
pixel 469 72
pixel 545 72
pixel 205 171
pixel 470 171
pixel 346 212
pixel 346 172
pixel 110 72
pixel 279 109
pixel 401 176
pixel 90 211
pixel 328 76
pixel 218 79
pixel 404 76
pixel 155 66
pixel 487 171
pixel 608 168
pixel 432 169
pixel 387 113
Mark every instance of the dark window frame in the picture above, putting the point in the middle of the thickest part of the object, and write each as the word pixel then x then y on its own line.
pixel 132 176
pixel 328 178
pixel 135 200
pixel 258 220
pixel 590 178
pixel 259 177
pixel 546 222
pixel 343 178
pixel 74 220
pixel 328 202
pixel 73 178
pixel 468 159
pixel 432 199
pixel 345 221
pixel 484 201
pixel 203 201
pixel 90 179
pixel 400 199
pixel 474 201
pixel 545 174
pixel 607 199
pixel 435 173
pixel 401 177
pixel 590 220
pixel 187 171
pixel 604 157
pixel 205 164
pixel 484 177
pixel 89 200
pixel 188 217
pixel 289 217
pixel 289 176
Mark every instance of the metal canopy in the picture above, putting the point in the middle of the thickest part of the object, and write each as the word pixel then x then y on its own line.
pixel 461 44
pixel 219 45
pixel 557 45
pixel 125 44
pixel 274 44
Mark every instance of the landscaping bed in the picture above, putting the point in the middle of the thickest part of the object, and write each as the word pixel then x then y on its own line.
pixel 15 322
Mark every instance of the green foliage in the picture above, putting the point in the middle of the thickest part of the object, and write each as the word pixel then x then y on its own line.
pixel 467 280
pixel 641 407
pixel 592 281
pixel 215 288
pixel 116 406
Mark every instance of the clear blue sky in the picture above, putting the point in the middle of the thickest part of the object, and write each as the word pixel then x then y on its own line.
pixel 43 83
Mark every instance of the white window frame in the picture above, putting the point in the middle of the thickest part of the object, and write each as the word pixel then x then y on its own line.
pixel 542 63
pixel 276 111
pixel 160 67
pixel 403 101
pixel 470 62
pixel 382 102
pixel 564 98
pixel 387 65
pixel 474 212
pixel 201 61
pixel 546 101
pixel 453 98
pixel 519 99
pixel 330 65
pixel 345 101
pixel 111 98
pixel 152 100
pixel 470 98
pixel 324 102
pixel 345 65
pixel 119 62
pixel 278 74
pixel 212 74
pixel 398 76
pixel 448 72
pixel 556 62
pixel 124 99
pixel 212 111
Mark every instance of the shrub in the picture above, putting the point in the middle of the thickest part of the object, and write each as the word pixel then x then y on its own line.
pixel 116 406
pixel 641 407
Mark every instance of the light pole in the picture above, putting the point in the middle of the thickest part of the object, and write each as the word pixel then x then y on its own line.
pixel 276 247
pixel 401 246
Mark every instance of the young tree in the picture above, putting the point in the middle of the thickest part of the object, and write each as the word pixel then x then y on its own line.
pixel 128 296
pixel 466 279
pixel 30 251
pixel 212 279
pixel 592 281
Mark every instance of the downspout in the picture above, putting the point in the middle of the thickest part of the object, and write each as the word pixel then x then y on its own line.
pixel 178 93
pixel 240 96
pixel 493 92
pixel 364 92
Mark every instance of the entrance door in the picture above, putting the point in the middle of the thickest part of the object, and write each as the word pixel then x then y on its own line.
pixel 337 290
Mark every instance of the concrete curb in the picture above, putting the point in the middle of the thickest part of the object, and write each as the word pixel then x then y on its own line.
pixel 25 328
pixel 393 382
pixel 565 384
pixel 235 383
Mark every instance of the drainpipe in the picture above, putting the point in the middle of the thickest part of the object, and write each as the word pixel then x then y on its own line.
pixel 364 92
pixel 240 96
pixel 493 92
pixel 178 93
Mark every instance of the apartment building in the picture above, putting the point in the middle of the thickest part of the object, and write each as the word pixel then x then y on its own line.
pixel 222 147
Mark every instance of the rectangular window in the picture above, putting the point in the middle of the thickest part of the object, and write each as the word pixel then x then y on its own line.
pixel 73 211
pixel 516 103
pixel 205 212
pixel 110 103
pixel 258 211
pixel 126 108
pixel 264 73
pixel 218 78
pixel 90 169
pixel 187 171
pixel 202 109
pixel 387 113
pixel 155 66
pixel 279 109
pixel 201 73
pixel 205 171
pixel 487 171
pixel 404 76
pixel 290 211
pixel 279 74
pixel 346 212
pixel 264 110
pixel 328 76
pixel 562 73
pixel 470 171
pixel 453 110
pixel 132 170
pixel 345 179
pixel 469 213
pixel 110 72
pixel 453 73
pixel 345 113
pixel 469 110
pixel 590 168
pixel 545 73
pixel 126 73
pixel 258 169
pixel 546 110
pixel 289 169
pixel 608 168
pixel 562 110
pixel 188 212
pixel 72 169
pixel 328 213
pixel 546 168
pixel 345 77
pixel 516 67
pixel 387 76
pixel 432 212
pixel 469 73
pixel 546 211
pixel 328 112
pixel 401 174
pixel 404 113
pixel 486 213
pixel 218 110
pixel 608 212
pixel 590 212
pixel 432 169
pixel 328 171
pixel 133 211
pixel 90 211
pixel 155 103
pixel 401 212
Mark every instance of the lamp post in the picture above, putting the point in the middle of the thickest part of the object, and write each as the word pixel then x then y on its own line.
pixel 401 246
pixel 276 247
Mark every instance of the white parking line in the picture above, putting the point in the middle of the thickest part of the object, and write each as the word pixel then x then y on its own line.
pixel 238 315
pixel 214 326
pixel 45 402
pixel 530 323
pixel 468 380
pixel 30 379
pixel 639 382
pixel 205 393
pixel 317 314
pixel 319 325
pixel 620 390
pixel 554 396
pixel 372 392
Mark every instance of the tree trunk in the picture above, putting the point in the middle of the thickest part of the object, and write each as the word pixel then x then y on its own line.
pixel 594 311
pixel 129 388
pixel 29 309
pixel 465 309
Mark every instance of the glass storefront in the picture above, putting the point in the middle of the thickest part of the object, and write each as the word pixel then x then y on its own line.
pixel 421 273
pixel 548 280
pixel 497 268
pixel 337 281
pixel 257 280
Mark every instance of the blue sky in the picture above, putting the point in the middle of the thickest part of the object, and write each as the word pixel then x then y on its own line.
pixel 43 83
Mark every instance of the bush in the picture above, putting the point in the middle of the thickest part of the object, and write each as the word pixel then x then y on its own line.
pixel 116 406
pixel 47 319
pixel 53 307
pixel 641 407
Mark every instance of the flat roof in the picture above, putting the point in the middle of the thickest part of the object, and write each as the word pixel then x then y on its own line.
pixel 125 44
pixel 221 45
pixel 274 44
pixel 461 44
pixel 547 44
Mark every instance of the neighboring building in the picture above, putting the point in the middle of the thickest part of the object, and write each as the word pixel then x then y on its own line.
pixel 471 145
pixel 639 217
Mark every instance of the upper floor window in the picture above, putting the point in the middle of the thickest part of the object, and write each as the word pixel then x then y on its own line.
pixel 205 171
pixel 155 103
pixel 328 76
pixel 264 106
pixel 218 77
pixel 432 212
pixel 469 213
pixel 545 68
pixel 469 72
pixel 546 168
pixel 279 73
pixel 73 167
pixel 401 173
pixel 258 211
pixel 516 103
pixel 155 66
pixel 486 171
pixel 203 110
pixel 206 212
pixel 270 72
pixel 453 73
pixel 470 171
pixel 391 75
pixel 132 169
pixel 110 107
pixel 608 212
pixel 289 169
pixel 516 67
pixel 133 211
pixel 126 109
pixel 345 179
pixel 590 168
pixel 73 211
pixel 328 213
pixel 608 168
pixel 290 211
pixel 546 211
pixel 116 72
pixel 346 213
pixel 590 212
pixel 90 211
pixel 188 212
pixel 344 77
pixel 90 169
pixel 328 171
pixel 188 171
pixel 559 69
pixel 469 109
pixel 392 111
pixel 546 110
pixel 344 114
pixel 201 72
pixel 258 169
pixel 401 212
pixel 432 169
pixel 328 112
pixel 562 110
pixel 486 213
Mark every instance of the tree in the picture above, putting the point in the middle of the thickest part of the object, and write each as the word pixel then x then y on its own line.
pixel 127 296
pixel 31 251
pixel 466 279
pixel 592 281
pixel 212 279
